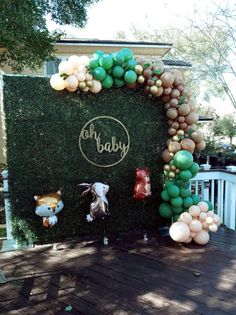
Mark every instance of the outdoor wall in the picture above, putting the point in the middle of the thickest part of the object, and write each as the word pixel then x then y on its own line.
pixel 46 152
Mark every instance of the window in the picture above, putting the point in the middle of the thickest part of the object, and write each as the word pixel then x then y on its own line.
pixel 51 67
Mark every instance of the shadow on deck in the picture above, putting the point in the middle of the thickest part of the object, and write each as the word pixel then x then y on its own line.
pixel 127 277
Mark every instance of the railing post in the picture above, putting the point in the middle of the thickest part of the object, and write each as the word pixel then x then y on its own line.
pixel 7 204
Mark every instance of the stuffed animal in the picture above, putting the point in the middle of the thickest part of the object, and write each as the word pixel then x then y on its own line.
pixel 47 206
pixel 99 204
pixel 142 187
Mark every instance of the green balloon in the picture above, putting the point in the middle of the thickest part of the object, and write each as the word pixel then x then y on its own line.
pixel 173 191
pixel 187 202
pixel 176 202
pixel 177 210
pixel 183 159
pixel 165 210
pixel 185 192
pixel 119 83
pixel 169 183
pixel 194 168
pixel 128 54
pixel 118 58
pixel 98 54
pixel 185 175
pixel 164 195
pixel 106 61
pixel 196 199
pixel 99 73
pixel 176 218
pixel 118 72
pixel 210 205
pixel 130 76
pixel 107 82
pixel 93 63
pixel 172 162
pixel 131 64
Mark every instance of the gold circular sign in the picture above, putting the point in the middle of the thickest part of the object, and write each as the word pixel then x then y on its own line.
pixel 89 132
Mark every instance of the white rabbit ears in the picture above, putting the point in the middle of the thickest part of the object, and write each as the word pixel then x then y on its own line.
pixel 85 185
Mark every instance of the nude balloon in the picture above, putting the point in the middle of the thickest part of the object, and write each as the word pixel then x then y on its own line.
pixel 203 206
pixel 65 67
pixel 179 232
pixel 202 237
pixel 57 82
pixel 185 217
pixel 213 227
pixel 195 225
pixel 194 211
pixel 202 216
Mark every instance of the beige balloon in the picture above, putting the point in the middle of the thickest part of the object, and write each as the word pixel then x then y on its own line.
pixel 202 216
pixel 74 61
pixel 209 220
pixel 97 86
pixel 185 217
pixel 71 82
pixel 194 211
pixel 202 237
pixel 216 219
pixel 57 82
pixel 81 76
pixel 179 232
pixel 195 225
pixel 65 67
pixel 213 227
pixel 210 213
pixel 203 206
pixel 189 240
pixel 193 234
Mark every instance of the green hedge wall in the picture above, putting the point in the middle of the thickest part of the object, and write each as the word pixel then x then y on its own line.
pixel 43 128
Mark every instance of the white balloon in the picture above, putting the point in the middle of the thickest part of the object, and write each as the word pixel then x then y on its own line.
pixel 97 86
pixel 213 227
pixel 209 220
pixel 179 232
pixel 202 216
pixel 72 82
pixel 88 77
pixel 80 76
pixel 185 217
pixel 84 60
pixel 57 82
pixel 216 219
pixel 65 67
pixel 74 61
pixel 193 234
pixel 202 237
pixel 203 206
pixel 195 225
pixel 189 240
pixel 194 211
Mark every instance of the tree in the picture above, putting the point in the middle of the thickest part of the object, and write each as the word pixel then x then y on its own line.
pixel 209 44
pixel 25 40
pixel 225 127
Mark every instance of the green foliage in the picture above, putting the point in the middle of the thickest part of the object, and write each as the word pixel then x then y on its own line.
pixel 3 232
pixel 25 40
pixel 225 127
pixel 43 128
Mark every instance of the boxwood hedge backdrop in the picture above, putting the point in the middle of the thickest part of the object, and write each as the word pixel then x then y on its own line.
pixel 43 128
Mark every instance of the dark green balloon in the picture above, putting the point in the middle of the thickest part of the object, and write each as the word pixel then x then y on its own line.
pixel 196 199
pixel 187 202
pixel 98 54
pixel 131 64
pixel 107 82
pixel 128 54
pixel 93 63
pixel 177 210
pixel 185 175
pixel 118 72
pixel 210 205
pixel 169 183
pixel 185 192
pixel 106 61
pixel 99 73
pixel 130 76
pixel 119 83
pixel 164 195
pixel 176 218
pixel 173 191
pixel 194 168
pixel 165 210
pixel 118 58
pixel 183 159
pixel 176 202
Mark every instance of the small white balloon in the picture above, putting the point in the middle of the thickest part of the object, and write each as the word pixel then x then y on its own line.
pixel 209 220
pixel 202 216
pixel 179 232
pixel 195 225
pixel 84 60
pixel 74 61
pixel 88 77
pixel 203 206
pixel 216 219
pixel 71 89
pixel 57 82
pixel 72 82
pixel 185 217
pixel 202 237
pixel 194 211
pixel 80 76
pixel 97 86
pixel 189 240
pixel 65 67
pixel 213 227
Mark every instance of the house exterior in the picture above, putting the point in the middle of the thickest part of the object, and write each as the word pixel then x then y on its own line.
pixel 67 47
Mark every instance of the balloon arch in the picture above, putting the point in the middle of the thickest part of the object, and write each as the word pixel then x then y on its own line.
pixel 192 218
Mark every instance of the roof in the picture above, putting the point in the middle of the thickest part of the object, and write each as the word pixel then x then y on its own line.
pixel 204 119
pixel 179 63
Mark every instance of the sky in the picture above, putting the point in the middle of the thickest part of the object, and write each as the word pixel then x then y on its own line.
pixel 107 17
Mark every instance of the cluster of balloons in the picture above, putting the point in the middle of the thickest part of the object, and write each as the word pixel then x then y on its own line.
pixel 195 224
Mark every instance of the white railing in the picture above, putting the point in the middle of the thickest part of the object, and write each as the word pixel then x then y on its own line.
pixel 219 187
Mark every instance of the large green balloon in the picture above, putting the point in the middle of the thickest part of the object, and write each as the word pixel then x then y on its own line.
pixel 128 54
pixel 185 192
pixel 130 76
pixel 185 175
pixel 118 58
pixel 118 72
pixel 176 202
pixel 183 159
pixel 169 183
pixel 99 73
pixel 187 202
pixel 165 210
pixel 107 82
pixel 194 169
pixel 164 195
pixel 93 63
pixel 173 191
pixel 98 54
pixel 196 199
pixel 119 83
pixel 177 210
pixel 106 61
pixel 131 64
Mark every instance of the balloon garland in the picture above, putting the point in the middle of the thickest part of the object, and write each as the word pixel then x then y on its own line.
pixel 103 71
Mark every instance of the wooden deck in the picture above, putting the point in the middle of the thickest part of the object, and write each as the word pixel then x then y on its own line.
pixel 127 277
